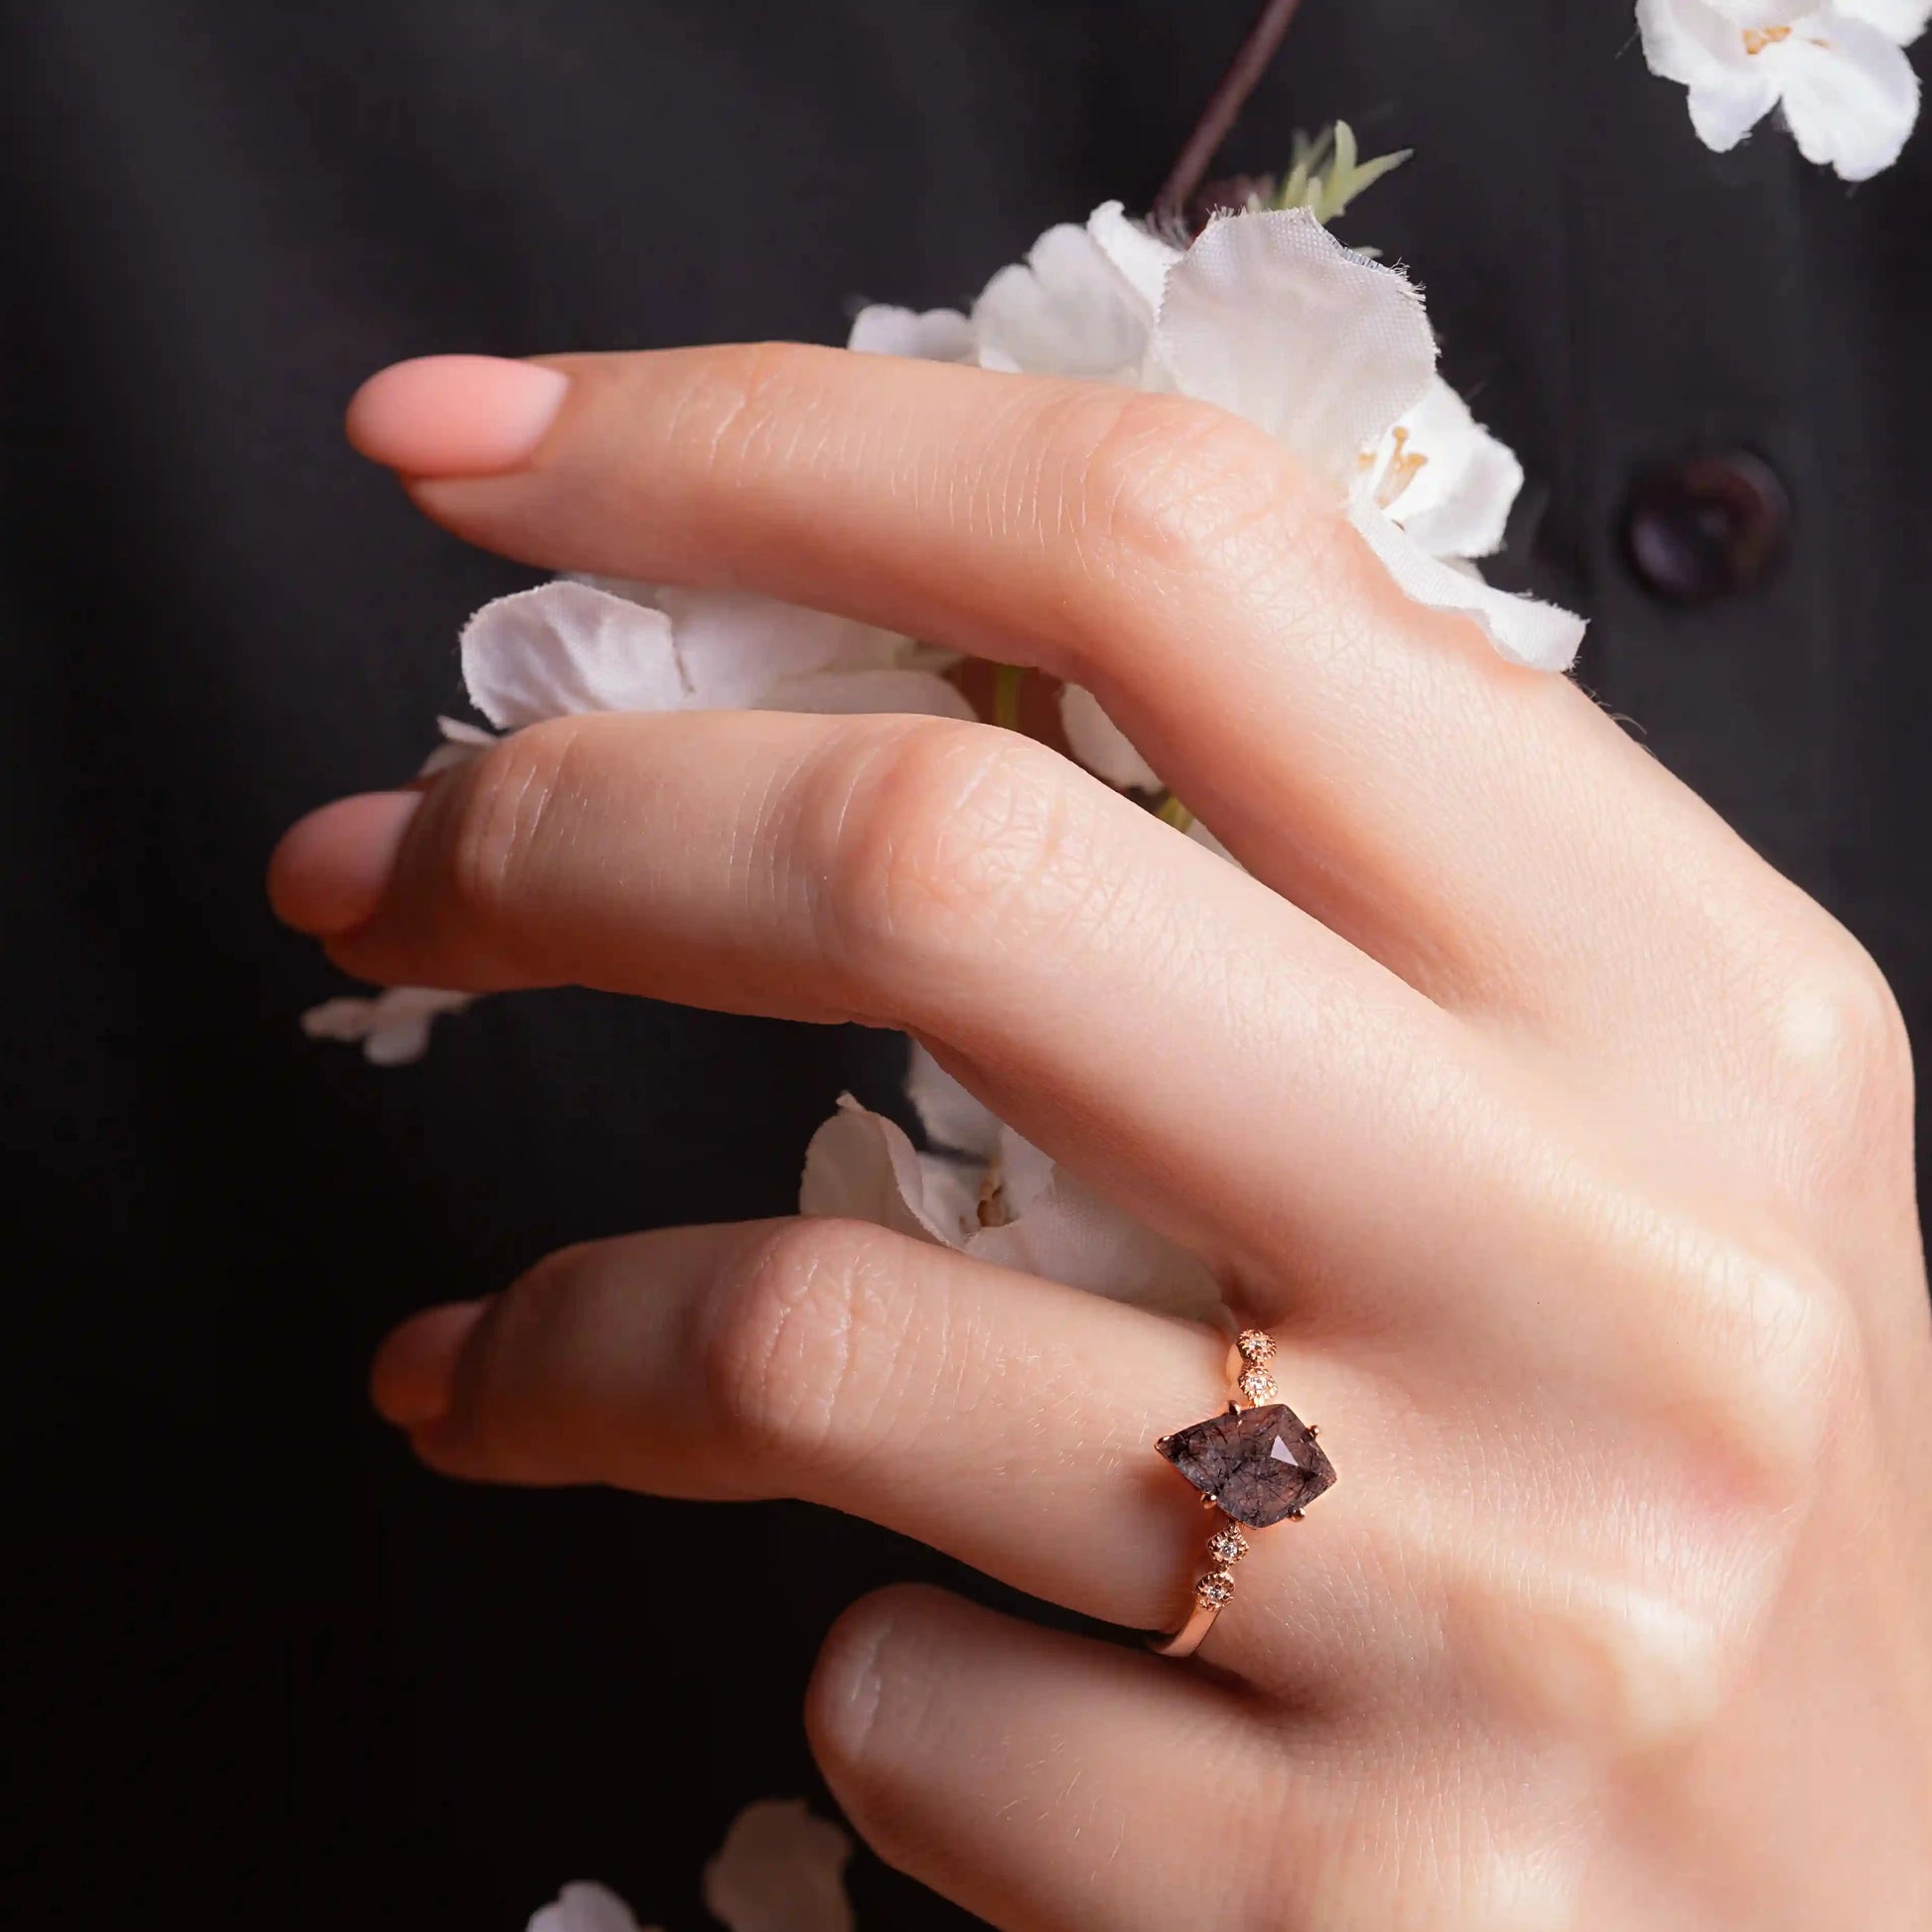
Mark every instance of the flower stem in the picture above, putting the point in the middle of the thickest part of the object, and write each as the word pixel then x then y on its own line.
pixel 1006 679
pixel 1224 107
pixel 1170 811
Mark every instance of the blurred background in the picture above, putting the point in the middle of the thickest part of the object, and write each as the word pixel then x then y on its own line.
pixel 264 1669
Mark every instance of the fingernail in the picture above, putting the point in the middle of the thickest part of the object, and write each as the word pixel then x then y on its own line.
pixel 413 1377
pixel 456 415
pixel 331 870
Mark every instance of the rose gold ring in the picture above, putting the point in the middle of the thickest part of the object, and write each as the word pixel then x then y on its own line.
pixel 1257 1464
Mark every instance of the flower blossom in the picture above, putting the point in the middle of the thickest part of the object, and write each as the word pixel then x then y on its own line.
pixel 992 1195
pixel 392 1027
pixel 1270 317
pixel 1837 70
pixel 780 1870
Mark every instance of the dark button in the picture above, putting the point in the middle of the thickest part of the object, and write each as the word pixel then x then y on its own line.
pixel 1707 527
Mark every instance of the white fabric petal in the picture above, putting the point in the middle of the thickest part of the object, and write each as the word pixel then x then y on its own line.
pixel 926 335
pixel 1270 316
pixel 780 1869
pixel 461 743
pixel 1539 636
pixel 1142 260
pixel 1202 836
pixel 392 1028
pixel 1068 1233
pixel 849 693
pixel 1457 503
pixel 1690 41
pixel 1100 744
pixel 1026 1174
pixel 1851 95
pixel 1758 13
pixel 951 1116
pixel 734 646
pixel 567 647
pixel 585 1908
pixel 1900 21
pixel 861 1166
pixel 1064 311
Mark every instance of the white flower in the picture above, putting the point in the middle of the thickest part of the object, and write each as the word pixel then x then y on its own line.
pixel 601 645
pixel 392 1027
pixel 1839 72
pixel 780 1869
pixel 585 1908
pixel 1270 317
pixel 996 1197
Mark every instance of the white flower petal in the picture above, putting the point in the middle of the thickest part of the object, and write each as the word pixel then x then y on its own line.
pixel 1759 12
pixel 567 647
pixel 1026 1172
pixel 926 335
pixel 1458 502
pixel 1270 316
pixel 1732 89
pixel 461 743
pixel 1901 21
pixel 952 1117
pixel 1100 744
pixel 393 1027
pixel 1064 311
pixel 1068 1233
pixel 1851 95
pixel 1539 636
pixel 780 1869
pixel 585 1908
pixel 849 693
pixel 734 646
pixel 1140 259
pixel 861 1166
pixel 1202 836
pixel 954 1187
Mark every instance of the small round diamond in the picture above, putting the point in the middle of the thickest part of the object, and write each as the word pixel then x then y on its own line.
pixel 1257 1385
pixel 1256 1345
pixel 1215 1587
pixel 1227 1546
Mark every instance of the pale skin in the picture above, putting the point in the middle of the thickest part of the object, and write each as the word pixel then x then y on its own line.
pixel 1565 1149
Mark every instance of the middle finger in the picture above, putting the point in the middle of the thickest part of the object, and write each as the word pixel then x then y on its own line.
pixel 1183 1037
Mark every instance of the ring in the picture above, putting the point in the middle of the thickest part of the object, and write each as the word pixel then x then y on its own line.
pixel 1258 1463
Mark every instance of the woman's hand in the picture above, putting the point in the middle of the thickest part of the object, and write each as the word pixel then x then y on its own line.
pixel 1565 1149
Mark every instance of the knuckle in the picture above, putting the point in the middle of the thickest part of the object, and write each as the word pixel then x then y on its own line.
pixel 504 1377
pixel 503 810
pixel 1839 1044
pixel 1604 1652
pixel 798 1348
pixel 940 842
pixel 1171 485
pixel 1764 1346
pixel 867 1706
pixel 740 392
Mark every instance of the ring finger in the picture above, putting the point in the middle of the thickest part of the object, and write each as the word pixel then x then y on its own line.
pixel 1003 1418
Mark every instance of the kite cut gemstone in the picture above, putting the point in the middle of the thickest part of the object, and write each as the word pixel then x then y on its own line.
pixel 1258 1464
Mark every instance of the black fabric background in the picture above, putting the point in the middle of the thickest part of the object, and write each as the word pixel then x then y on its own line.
pixel 263 1670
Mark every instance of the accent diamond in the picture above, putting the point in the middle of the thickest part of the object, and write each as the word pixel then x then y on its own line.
pixel 1258 1464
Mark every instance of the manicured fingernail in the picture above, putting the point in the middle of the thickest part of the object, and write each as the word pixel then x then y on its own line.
pixel 413 1377
pixel 331 870
pixel 456 415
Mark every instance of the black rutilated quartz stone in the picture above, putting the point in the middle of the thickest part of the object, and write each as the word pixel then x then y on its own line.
pixel 1258 1464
